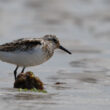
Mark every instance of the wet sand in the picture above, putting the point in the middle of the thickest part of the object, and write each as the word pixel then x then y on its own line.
pixel 83 26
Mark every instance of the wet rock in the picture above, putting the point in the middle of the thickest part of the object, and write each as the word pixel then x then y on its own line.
pixel 28 81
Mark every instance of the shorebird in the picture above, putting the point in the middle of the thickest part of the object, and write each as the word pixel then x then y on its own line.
pixel 27 52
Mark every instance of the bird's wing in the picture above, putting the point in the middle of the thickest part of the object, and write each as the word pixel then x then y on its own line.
pixel 20 44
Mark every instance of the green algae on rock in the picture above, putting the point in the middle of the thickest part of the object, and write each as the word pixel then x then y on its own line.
pixel 28 81
pixel 32 90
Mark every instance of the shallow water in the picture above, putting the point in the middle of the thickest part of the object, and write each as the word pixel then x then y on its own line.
pixel 83 26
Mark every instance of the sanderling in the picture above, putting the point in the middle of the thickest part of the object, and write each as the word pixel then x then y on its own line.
pixel 27 52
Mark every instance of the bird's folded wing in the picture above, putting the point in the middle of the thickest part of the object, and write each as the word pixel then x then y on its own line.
pixel 20 44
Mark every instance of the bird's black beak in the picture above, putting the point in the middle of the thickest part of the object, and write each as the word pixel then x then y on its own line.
pixel 62 48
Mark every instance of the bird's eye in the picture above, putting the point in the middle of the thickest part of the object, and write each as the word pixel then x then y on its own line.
pixel 54 40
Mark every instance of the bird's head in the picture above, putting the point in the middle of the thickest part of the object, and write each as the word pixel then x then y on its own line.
pixel 54 40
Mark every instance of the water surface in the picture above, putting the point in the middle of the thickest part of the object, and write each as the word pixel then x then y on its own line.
pixel 83 26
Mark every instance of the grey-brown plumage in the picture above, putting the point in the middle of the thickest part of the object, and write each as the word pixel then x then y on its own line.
pixel 20 44
pixel 30 51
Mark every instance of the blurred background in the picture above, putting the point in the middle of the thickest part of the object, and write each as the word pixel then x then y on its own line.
pixel 78 20
pixel 83 26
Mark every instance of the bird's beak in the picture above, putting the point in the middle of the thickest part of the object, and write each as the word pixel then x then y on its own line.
pixel 62 48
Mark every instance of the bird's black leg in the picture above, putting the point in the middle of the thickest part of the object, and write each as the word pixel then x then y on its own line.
pixel 15 72
pixel 23 70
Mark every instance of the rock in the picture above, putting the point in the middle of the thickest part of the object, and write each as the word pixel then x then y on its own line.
pixel 28 81
pixel 58 83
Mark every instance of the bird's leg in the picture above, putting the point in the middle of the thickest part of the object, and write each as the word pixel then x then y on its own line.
pixel 23 70
pixel 15 71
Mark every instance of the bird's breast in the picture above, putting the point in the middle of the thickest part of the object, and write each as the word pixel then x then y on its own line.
pixel 32 57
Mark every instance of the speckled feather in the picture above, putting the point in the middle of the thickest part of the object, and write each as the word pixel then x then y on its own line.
pixel 27 51
pixel 20 44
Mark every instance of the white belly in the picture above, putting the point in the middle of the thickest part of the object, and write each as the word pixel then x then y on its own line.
pixel 23 58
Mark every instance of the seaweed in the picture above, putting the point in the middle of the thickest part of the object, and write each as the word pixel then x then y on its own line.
pixel 28 81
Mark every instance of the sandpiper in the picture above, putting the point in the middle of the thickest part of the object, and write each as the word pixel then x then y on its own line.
pixel 27 52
